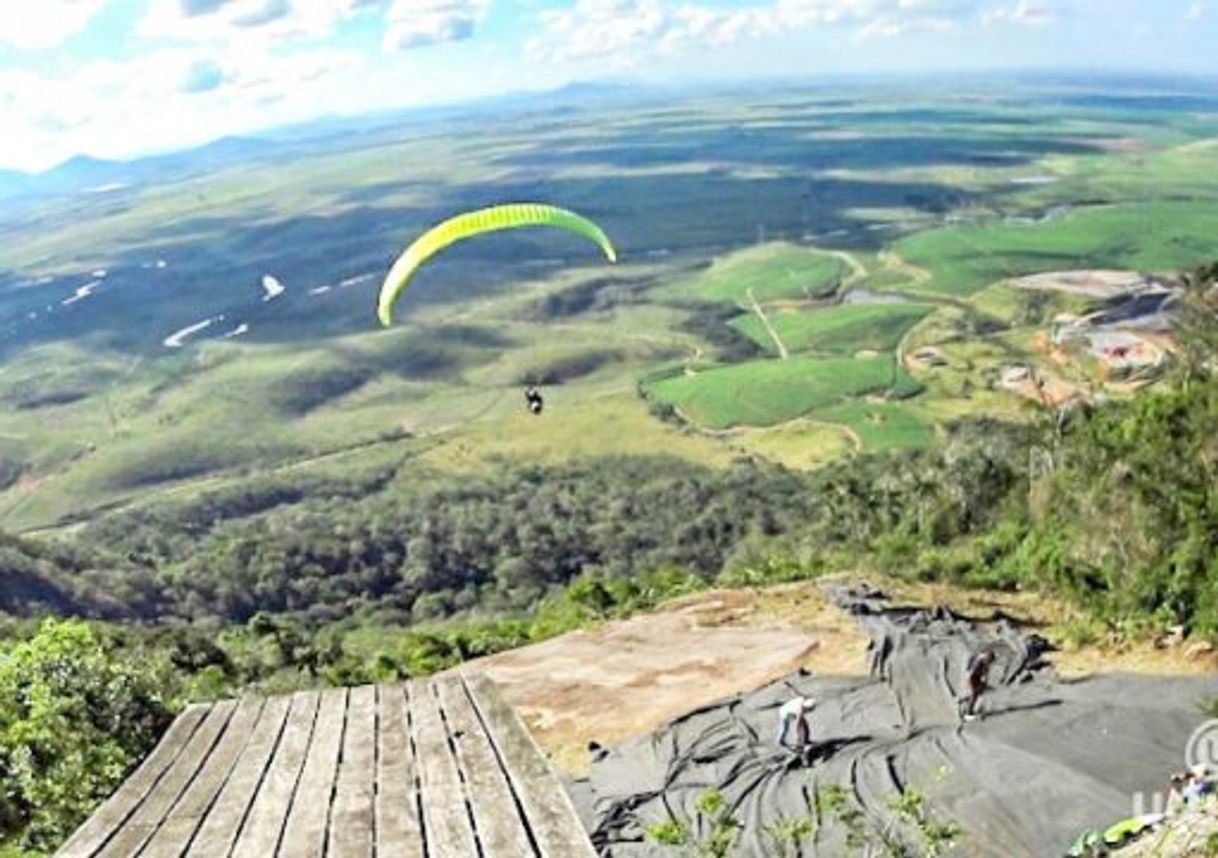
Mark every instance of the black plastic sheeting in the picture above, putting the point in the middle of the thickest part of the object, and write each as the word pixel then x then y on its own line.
pixel 1050 757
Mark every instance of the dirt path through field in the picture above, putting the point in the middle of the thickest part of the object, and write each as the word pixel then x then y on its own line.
pixel 858 270
pixel 918 277
pixel 783 354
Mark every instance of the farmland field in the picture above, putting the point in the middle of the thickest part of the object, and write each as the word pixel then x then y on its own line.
pixel 762 393
pixel 1144 237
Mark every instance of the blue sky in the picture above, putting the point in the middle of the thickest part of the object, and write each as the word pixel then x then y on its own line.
pixel 117 78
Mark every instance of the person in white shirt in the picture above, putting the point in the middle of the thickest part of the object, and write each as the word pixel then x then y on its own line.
pixel 795 713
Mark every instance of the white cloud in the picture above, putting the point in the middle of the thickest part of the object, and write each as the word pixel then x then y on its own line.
pixel 628 31
pixel 46 23
pixel 164 99
pixel 1196 11
pixel 419 23
pixel 1022 12
pixel 247 20
pixel 213 67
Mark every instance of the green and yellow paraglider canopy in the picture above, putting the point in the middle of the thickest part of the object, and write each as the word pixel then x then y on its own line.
pixel 470 224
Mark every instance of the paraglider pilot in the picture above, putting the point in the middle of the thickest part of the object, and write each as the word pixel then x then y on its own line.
pixel 533 397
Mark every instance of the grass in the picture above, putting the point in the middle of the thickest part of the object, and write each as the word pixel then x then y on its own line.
pixel 846 328
pixel 799 444
pixel 617 424
pixel 1151 237
pixel 772 271
pixel 880 426
pixel 763 393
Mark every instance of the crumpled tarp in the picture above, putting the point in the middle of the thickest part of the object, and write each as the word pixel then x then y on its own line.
pixel 1050 758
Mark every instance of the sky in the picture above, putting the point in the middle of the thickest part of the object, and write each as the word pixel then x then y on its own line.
pixel 121 78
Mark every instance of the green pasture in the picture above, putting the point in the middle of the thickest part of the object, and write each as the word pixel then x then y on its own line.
pixel 801 444
pixel 762 393
pixel 880 425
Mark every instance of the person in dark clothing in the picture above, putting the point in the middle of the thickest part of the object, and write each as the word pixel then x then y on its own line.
pixel 975 680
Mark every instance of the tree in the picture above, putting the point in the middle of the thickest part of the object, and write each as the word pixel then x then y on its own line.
pixel 74 720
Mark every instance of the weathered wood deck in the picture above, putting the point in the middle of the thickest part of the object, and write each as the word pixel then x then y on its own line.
pixel 440 768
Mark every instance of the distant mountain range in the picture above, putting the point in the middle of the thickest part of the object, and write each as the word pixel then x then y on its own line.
pixel 85 174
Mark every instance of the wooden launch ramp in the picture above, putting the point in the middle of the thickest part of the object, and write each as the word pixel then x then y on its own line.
pixel 438 768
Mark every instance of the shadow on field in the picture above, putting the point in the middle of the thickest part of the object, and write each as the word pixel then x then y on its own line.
pixel 780 147
pixel 215 264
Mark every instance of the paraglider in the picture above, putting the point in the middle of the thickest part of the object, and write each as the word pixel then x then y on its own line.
pixel 533 397
pixel 470 224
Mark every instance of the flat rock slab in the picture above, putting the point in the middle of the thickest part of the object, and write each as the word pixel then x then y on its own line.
pixel 628 677
pixel 441 768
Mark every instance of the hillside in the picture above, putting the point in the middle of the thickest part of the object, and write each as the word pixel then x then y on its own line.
pixel 37 580
pixel 961 348
pixel 296 586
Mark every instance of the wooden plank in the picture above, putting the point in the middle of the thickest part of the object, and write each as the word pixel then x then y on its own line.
pixel 352 818
pixel 501 831
pixel 223 822
pixel 399 829
pixel 552 819
pixel 269 811
pixel 173 837
pixel 142 824
pixel 98 828
pixel 305 834
pixel 446 822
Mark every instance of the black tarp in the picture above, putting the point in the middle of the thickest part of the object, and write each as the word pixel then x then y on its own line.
pixel 1049 758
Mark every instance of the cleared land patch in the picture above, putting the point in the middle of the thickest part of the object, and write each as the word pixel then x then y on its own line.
pixel 628 677
pixel 617 424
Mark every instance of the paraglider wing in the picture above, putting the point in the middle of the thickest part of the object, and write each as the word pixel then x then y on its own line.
pixel 470 224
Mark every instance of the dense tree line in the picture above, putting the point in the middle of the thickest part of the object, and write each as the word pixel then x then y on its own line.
pixel 419 549
pixel 432 547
